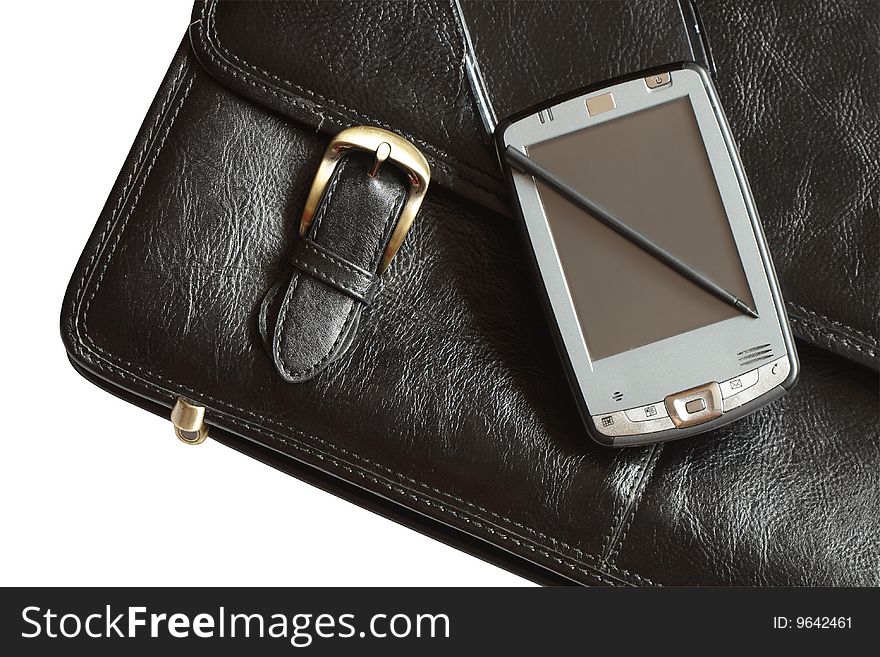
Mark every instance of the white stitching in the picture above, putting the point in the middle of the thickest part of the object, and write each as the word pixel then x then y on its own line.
pixel 354 269
pixel 281 319
pixel 175 84
pixel 100 353
pixel 124 221
pixel 295 444
pixel 832 337
pixel 322 276
pixel 204 32
pixel 283 362
pixel 642 485
pixel 285 307
pixel 352 307
pixel 857 333
pixel 626 500
pixel 619 574
pixel 211 19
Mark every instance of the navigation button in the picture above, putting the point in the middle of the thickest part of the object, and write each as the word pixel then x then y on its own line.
pixel 695 406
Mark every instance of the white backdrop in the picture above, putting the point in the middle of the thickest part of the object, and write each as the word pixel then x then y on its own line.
pixel 94 491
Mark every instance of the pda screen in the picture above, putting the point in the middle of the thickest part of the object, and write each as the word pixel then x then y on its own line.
pixel 651 170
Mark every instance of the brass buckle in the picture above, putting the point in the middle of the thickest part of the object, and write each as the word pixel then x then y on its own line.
pixel 388 147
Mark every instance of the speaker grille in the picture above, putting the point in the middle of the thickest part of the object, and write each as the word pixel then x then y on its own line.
pixel 755 354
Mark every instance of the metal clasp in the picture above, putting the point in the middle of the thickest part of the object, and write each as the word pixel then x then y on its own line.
pixel 388 147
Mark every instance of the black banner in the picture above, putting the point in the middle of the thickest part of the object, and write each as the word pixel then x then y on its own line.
pixel 431 621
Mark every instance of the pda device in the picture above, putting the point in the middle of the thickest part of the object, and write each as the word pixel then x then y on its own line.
pixel 648 248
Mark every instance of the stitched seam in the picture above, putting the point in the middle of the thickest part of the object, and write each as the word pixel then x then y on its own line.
pixel 203 33
pixel 325 201
pixel 397 488
pixel 317 273
pixel 213 22
pixel 348 319
pixel 281 326
pixel 88 344
pixel 237 421
pixel 204 37
pixel 857 333
pixel 637 500
pixel 354 269
pixel 175 86
pixel 124 222
pixel 92 347
pixel 606 540
pixel 282 362
pixel 403 491
pixel 626 501
pixel 330 101
pixel 342 333
pixel 833 338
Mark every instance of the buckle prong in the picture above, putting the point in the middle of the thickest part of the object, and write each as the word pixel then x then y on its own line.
pixel 386 146
pixel 382 154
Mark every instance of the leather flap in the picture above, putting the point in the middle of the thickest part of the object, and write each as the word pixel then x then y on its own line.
pixel 332 65
pixel 401 66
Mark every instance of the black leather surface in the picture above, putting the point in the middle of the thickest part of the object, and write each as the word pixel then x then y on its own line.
pixel 799 89
pixel 527 57
pixel 779 87
pixel 451 403
pixel 336 64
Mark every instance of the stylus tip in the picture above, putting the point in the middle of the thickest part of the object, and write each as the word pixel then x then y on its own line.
pixel 745 309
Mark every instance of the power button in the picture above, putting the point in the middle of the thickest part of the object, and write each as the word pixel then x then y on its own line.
pixel 658 80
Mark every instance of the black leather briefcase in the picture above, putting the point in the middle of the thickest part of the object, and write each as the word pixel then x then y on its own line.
pixel 431 392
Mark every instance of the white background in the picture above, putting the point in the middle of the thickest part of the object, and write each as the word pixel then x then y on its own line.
pixel 94 491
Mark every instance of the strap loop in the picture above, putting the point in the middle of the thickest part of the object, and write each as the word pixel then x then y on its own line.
pixel 331 268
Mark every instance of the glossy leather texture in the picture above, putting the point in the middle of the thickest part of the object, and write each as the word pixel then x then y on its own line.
pixel 818 166
pixel 535 60
pixel 450 411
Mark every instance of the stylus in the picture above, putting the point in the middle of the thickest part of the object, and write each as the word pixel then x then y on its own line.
pixel 526 165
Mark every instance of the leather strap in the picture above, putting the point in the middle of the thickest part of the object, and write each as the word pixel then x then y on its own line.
pixel 310 316
pixel 313 259
pixel 541 57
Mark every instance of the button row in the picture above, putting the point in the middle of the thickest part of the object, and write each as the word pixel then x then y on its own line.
pixel 618 424
pixel 737 384
pixel 645 413
pixel 759 381
pixel 696 405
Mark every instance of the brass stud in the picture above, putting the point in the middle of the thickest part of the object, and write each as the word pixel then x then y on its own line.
pixel 188 419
